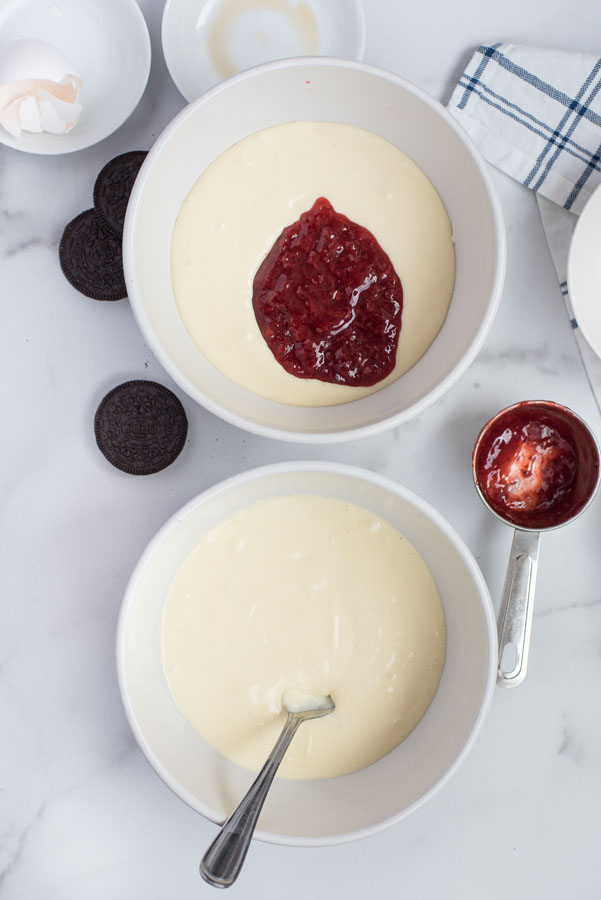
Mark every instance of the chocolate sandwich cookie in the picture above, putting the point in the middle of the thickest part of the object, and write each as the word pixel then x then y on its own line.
pixel 140 427
pixel 113 187
pixel 91 258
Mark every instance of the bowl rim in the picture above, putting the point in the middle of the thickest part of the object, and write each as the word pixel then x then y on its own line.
pixel 292 467
pixel 72 141
pixel 243 422
pixel 580 271
pixel 170 10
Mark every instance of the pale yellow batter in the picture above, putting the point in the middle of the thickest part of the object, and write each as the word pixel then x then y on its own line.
pixel 248 195
pixel 311 594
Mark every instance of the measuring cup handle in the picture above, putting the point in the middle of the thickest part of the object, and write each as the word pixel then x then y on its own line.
pixel 515 614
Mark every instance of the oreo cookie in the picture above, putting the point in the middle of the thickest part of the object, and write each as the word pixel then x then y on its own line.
pixel 91 258
pixel 140 427
pixel 113 187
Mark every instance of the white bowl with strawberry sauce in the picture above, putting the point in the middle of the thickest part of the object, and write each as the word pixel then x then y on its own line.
pixel 328 90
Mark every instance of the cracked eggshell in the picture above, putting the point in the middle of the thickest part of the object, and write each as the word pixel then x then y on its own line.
pixel 39 88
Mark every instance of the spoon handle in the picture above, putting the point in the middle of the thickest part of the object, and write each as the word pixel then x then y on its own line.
pixel 517 604
pixel 223 860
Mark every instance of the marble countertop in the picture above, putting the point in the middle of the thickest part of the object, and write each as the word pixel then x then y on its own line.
pixel 82 815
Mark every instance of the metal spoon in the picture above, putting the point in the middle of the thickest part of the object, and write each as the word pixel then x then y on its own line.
pixel 223 861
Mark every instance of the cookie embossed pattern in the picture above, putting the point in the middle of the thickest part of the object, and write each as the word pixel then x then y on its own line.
pixel 91 258
pixel 141 427
pixel 90 250
pixel 113 187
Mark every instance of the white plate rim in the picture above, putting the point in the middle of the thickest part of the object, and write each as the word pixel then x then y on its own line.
pixel 584 271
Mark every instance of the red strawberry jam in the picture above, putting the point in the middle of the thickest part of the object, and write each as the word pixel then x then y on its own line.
pixel 530 466
pixel 536 464
pixel 328 301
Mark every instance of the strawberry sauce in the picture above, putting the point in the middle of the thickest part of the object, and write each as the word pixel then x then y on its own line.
pixel 536 464
pixel 328 301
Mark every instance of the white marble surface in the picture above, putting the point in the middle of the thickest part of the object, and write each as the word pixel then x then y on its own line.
pixel 82 815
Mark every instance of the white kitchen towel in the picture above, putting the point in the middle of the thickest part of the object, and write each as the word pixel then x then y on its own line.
pixel 535 113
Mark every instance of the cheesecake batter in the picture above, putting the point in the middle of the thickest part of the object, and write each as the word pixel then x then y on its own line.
pixel 311 594
pixel 242 202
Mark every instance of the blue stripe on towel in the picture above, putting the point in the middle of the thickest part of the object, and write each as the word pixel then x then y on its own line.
pixel 487 54
pixel 582 157
pixel 541 85
pixel 575 112
pixel 482 86
pixel 591 166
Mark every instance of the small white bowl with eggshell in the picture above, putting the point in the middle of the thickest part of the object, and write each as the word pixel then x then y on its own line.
pixel 323 94
pixel 310 812
pixel 103 44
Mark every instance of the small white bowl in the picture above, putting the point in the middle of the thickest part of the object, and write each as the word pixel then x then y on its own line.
pixel 330 90
pixel 108 43
pixel 584 271
pixel 333 810
pixel 205 41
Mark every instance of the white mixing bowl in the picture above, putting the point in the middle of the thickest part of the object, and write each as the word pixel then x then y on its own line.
pixel 340 91
pixel 335 809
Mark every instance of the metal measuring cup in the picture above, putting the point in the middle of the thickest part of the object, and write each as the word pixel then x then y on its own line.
pixel 515 613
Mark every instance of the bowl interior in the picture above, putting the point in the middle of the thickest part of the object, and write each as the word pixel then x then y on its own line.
pixel 315 90
pixel 329 810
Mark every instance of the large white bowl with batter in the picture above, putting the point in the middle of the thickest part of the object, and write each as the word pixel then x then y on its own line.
pixel 329 90
pixel 331 810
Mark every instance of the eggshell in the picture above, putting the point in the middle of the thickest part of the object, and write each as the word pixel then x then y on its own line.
pixel 38 88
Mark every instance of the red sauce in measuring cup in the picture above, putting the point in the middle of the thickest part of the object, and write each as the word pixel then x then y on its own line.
pixel 536 464
pixel 328 301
